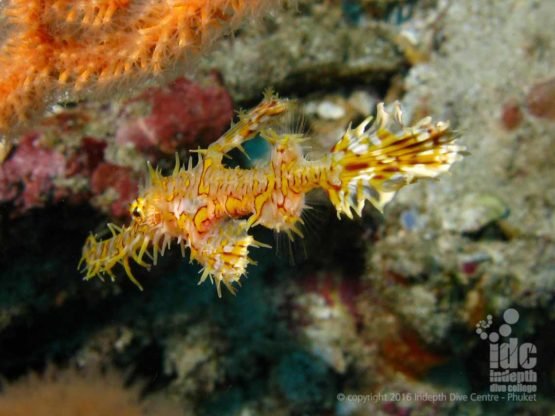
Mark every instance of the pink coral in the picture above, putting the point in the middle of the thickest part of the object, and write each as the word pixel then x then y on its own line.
pixel 57 161
pixel 334 289
pixel 118 178
pixel 34 174
pixel 183 114
pixel 89 156
pixel 511 115
pixel 26 178
pixel 541 99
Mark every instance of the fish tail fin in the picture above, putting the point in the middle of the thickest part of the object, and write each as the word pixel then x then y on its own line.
pixel 374 163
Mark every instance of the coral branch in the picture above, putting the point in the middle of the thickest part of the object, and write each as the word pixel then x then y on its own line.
pixel 70 49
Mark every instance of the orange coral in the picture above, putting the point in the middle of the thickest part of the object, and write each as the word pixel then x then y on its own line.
pixel 69 49
pixel 70 393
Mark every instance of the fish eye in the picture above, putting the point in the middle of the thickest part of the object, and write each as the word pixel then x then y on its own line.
pixel 136 208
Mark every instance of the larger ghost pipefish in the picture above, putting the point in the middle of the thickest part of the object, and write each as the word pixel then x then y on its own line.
pixel 209 208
